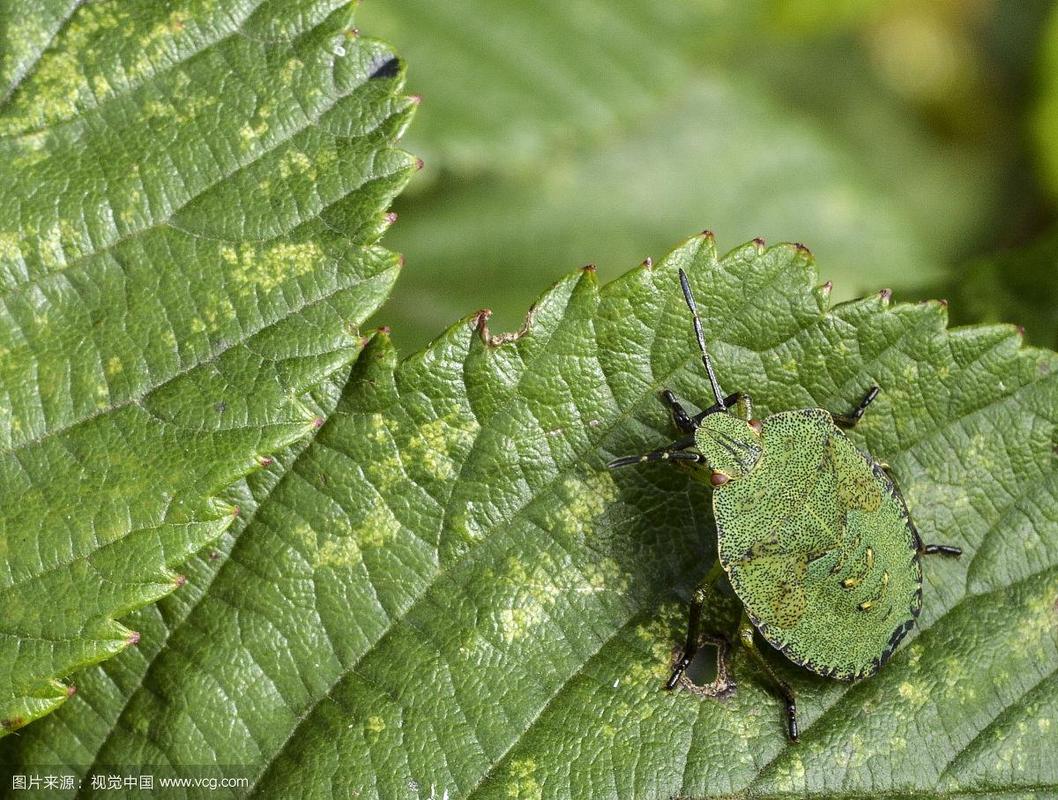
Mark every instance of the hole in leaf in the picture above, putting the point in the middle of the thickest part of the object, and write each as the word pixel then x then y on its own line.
pixel 702 669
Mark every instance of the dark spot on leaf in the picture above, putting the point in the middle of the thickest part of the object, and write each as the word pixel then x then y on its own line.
pixel 387 69
pixel 11 724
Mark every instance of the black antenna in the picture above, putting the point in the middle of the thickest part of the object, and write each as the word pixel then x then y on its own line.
pixel 700 336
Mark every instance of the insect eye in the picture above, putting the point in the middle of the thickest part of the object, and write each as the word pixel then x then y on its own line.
pixel 719 479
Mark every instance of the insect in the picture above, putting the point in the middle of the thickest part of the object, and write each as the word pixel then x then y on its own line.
pixel 812 532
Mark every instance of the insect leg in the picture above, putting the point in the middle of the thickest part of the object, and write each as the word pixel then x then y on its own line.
pixel 693 624
pixel 745 635
pixel 679 413
pixel 849 420
pixel 666 454
pixel 673 452
pixel 729 402
pixel 939 549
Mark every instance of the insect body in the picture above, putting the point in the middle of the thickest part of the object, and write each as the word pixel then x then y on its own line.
pixel 813 533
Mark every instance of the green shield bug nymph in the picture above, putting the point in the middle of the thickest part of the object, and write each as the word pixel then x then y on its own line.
pixel 812 532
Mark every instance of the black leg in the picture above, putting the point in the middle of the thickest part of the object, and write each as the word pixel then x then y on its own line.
pixel 693 624
pixel 684 421
pixel 674 452
pixel 691 647
pixel 679 413
pixel 745 635
pixel 940 550
pixel 850 420
pixel 729 402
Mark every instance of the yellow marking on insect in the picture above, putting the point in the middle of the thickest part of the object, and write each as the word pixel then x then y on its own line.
pixel 848 583
pixel 865 605
pixel 870 559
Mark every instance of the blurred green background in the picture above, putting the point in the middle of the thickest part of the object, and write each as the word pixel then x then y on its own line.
pixel 910 144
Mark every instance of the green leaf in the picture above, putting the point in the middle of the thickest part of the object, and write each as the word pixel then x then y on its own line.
pixel 573 132
pixel 447 591
pixel 192 199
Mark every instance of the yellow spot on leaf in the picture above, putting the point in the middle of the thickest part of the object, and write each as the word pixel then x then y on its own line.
pixel 915 694
pixel 523 785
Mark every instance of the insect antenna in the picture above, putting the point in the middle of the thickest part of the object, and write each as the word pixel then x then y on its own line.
pixel 700 336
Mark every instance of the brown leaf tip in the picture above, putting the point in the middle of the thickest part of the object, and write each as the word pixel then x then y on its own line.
pixel 179 581
pixel 588 268
pixel 647 263
pixel 760 244
pixel 391 217
pixel 134 638
pixel 480 321
pixel 71 690
pixel 802 249
pixel 885 295
pixel 265 461
pixel 708 234
pixel 317 423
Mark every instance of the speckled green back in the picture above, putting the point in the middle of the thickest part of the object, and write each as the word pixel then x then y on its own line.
pixel 819 548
